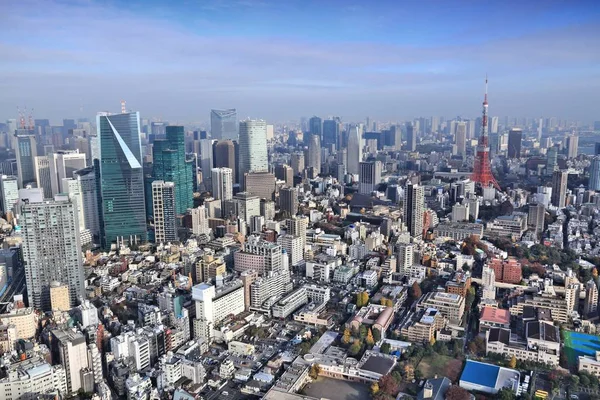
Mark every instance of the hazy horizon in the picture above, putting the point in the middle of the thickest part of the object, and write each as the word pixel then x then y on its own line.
pixel 386 60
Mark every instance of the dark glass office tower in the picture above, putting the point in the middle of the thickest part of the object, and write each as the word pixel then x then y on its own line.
pixel 315 125
pixel 331 131
pixel 121 179
pixel 171 165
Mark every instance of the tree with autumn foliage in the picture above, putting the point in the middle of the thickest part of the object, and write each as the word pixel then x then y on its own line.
pixel 595 273
pixel 374 388
pixel 513 362
pixel 457 393
pixel 369 339
pixel 347 336
pixel 388 385
pixel 415 291
pixel 362 299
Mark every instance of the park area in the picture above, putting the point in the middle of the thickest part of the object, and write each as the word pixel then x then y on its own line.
pixel 439 365
pixel 335 389
pixel 579 344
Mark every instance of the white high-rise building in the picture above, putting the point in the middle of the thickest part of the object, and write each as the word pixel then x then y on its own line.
pixel 72 350
pixel 9 192
pixel 297 226
pixel 213 304
pixel 314 154
pixel 89 196
pixel 354 153
pixel 200 221
pixel 222 183
pixel 163 203
pixel 405 258
pixel 253 147
pixel 51 248
pixel 73 189
pixel 206 160
pixel 494 125
pixel 62 165
pixel 293 248
pixel 488 281
pixel 414 207
pixel 43 175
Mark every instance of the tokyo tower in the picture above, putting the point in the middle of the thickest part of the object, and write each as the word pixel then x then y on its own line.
pixel 482 169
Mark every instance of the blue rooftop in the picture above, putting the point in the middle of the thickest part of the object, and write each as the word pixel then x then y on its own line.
pixel 480 373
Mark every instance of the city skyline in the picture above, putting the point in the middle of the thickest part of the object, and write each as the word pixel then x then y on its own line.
pixel 387 61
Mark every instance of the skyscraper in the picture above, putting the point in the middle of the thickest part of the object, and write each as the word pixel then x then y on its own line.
pixel 225 155
pixel 200 221
pixel 171 165
pixel 89 196
pixel 331 132
pixel 297 162
pixel 559 188
pixel 206 161
pixel 285 173
pixel 396 135
pixel 261 184
pixel 51 248
pixel 315 126
pixel 572 146
pixel 460 139
pixel 121 179
pixel 494 125
pixel 26 152
pixel 314 154
pixel 288 200
pixel 369 176
pixel 42 175
pixel 414 207
pixel 163 206
pixel 536 218
pixel 222 183
pixel 9 192
pixel 595 174
pixel 63 164
pixel 223 124
pixel 551 160
pixel 411 137
pixel 354 153
pixel 515 136
pixel 253 147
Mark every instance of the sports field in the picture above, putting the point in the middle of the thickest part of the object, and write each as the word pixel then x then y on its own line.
pixel 579 344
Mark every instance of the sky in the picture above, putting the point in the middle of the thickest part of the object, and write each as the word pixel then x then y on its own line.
pixel 280 60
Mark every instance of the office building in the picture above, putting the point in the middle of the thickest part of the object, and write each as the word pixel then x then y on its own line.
pixel 121 179
pixel 62 165
pixel 43 176
pixel 271 253
pixel 51 249
pixel 536 218
pixel 285 173
pixel 559 188
pixel 515 137
pixel 460 139
pixel 9 192
pixel 414 207
pixel 315 125
pixel 297 163
pixel 89 196
pixel 225 156
pixel 213 304
pixel 246 206
pixel 314 155
pixel 72 352
pixel 369 176
pixel 288 200
pixel 331 132
pixel 222 183
pixel 297 226
pixel 267 209
pixel 206 161
pixel 200 221
pixel 33 378
pixel 354 150
pixel 253 147
pixel 26 151
pixel 261 184
pixel 171 165
pixel 595 174
pixel 163 205
pixel 572 146
pixel 411 137
pixel 223 124
pixel 551 160
pixel 451 305
pixel 72 188
pixel 293 248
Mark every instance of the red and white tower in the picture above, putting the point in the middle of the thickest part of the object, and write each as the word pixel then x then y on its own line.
pixel 482 169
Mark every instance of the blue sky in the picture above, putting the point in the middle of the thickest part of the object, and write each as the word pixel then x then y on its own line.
pixel 280 60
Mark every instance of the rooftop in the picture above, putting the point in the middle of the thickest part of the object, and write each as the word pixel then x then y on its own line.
pixel 496 315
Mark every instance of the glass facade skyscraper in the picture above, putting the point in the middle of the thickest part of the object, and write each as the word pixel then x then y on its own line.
pixel 253 147
pixel 171 165
pixel 223 124
pixel 331 131
pixel 121 179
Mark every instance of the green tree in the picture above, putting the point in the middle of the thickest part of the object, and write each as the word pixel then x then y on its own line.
pixel 376 334
pixel 355 348
pixel 385 348
pixel 363 331
pixel 505 394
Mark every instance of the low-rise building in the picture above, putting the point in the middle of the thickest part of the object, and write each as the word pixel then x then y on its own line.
pixel 452 306
pixel 492 317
